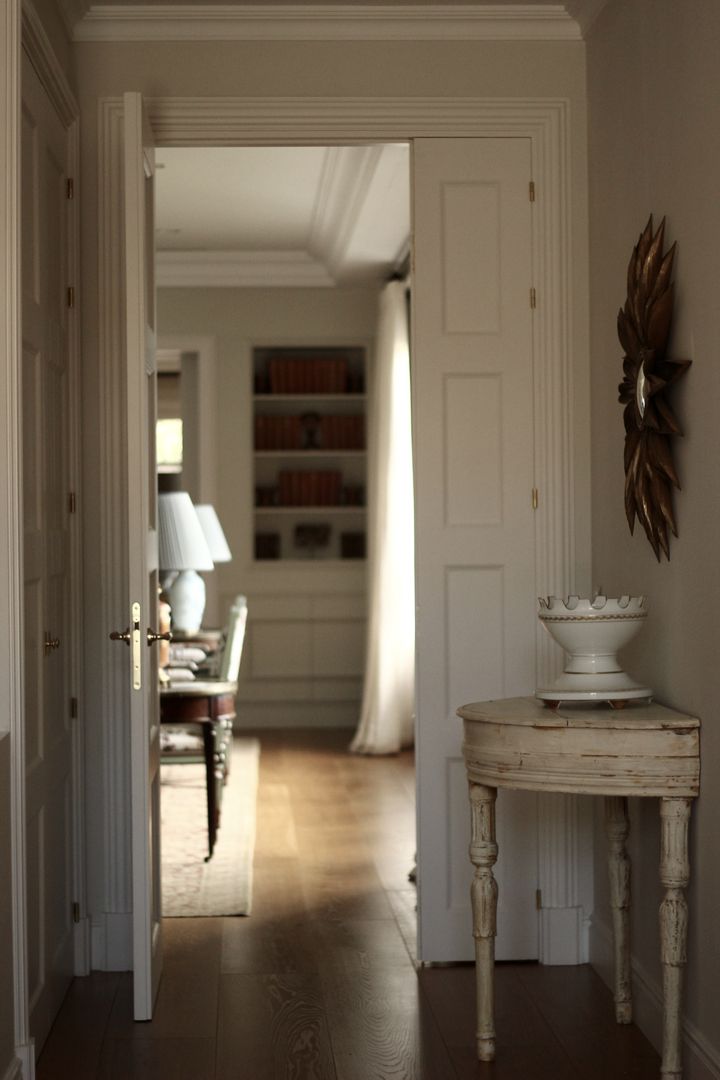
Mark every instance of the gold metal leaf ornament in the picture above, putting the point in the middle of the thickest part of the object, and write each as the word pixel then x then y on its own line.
pixel 650 424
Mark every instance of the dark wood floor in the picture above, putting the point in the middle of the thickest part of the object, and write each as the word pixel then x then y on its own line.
pixel 320 983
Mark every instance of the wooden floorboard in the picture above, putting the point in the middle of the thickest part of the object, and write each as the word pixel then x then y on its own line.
pixel 320 982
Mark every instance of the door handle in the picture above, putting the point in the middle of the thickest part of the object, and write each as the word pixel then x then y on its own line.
pixel 153 636
pixel 131 636
pixel 51 643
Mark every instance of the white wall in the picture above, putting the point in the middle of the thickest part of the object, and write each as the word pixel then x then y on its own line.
pixel 283 600
pixel 653 89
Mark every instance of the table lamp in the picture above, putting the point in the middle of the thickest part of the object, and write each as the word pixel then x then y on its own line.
pixel 182 548
pixel 214 534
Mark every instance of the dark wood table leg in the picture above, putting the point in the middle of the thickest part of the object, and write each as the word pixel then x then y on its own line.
pixel 208 735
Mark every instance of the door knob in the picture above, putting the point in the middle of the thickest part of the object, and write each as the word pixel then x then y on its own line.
pixel 51 643
pixel 121 635
pixel 153 636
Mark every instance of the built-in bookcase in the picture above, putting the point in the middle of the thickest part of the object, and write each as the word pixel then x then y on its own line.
pixel 309 452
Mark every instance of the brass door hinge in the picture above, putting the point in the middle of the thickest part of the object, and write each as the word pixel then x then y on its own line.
pixel 535 498
pixel 70 188
pixel 76 912
pixel 533 297
pixel 71 297
pixel 73 708
pixel 72 502
pixel 538 899
pixel 531 191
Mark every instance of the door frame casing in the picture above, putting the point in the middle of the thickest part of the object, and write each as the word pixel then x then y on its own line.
pixel 326 121
pixel 24 32
pixel 202 348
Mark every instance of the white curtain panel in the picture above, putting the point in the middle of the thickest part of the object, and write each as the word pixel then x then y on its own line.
pixel 388 706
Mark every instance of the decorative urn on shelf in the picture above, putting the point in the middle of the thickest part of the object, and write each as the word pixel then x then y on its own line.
pixel 592 632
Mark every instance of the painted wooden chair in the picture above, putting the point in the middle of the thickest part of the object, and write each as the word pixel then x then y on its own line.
pixel 197 718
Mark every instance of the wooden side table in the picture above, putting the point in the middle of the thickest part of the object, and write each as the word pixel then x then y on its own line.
pixel 642 750
pixel 207 706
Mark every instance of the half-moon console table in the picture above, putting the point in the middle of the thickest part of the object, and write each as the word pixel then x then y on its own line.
pixel 643 750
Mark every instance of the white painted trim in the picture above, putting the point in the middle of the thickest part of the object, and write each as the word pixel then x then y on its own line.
pixel 111 939
pixel 585 12
pixel 205 349
pixel 11 560
pixel 25 1056
pixel 322 121
pixel 564 841
pixel 82 951
pixel 327 22
pixel 111 706
pixel 328 121
pixel 701 1060
pixel 40 52
pixel 82 958
pixel 563 936
pixel 240 269
pixel 343 191
pixel 14 1070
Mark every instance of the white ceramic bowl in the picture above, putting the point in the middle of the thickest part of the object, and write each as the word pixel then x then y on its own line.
pixel 592 632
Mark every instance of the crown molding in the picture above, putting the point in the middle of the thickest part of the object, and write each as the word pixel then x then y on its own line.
pixel 240 269
pixel 327 22
pixel 40 52
pixel 584 12
pixel 344 188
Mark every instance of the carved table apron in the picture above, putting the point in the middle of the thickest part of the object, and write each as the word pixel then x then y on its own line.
pixel 641 750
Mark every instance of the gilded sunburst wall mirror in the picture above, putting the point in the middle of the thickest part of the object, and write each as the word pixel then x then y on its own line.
pixel 650 423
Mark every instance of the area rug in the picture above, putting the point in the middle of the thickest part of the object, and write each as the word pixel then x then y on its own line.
pixel 222 886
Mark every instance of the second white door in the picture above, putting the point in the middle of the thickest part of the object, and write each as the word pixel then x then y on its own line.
pixel 475 539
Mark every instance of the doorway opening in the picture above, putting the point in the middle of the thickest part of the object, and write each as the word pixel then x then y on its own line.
pixel 277 257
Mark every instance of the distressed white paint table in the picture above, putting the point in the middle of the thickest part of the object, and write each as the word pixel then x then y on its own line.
pixel 643 750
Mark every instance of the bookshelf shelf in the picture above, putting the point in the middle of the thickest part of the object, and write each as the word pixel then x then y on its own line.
pixel 309 416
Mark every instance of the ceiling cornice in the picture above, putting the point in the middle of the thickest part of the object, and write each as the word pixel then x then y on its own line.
pixel 329 22
pixel 240 269
pixel 342 193
pixel 585 12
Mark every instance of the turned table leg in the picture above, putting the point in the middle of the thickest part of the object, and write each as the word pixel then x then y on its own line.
pixel 483 855
pixel 617 827
pixel 674 875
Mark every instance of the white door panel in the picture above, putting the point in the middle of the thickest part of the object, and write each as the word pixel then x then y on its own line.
pixel 47 581
pixel 141 610
pixel 473 432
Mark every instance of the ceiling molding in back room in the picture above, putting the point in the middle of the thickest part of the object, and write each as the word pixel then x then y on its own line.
pixel 333 22
pixel 240 269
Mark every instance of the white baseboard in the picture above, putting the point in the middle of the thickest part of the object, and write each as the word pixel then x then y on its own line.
pixel 23 1066
pixel 311 714
pixel 701 1060
pixel 563 936
pixel 111 942
pixel 14 1070
pixel 82 946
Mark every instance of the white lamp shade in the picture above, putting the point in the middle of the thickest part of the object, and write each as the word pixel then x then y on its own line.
pixel 181 540
pixel 213 533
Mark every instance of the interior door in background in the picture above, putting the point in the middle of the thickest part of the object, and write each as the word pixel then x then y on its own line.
pixel 142 569
pixel 472 380
pixel 47 578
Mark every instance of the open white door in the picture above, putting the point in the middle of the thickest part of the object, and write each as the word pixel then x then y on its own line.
pixel 142 553
pixel 472 373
